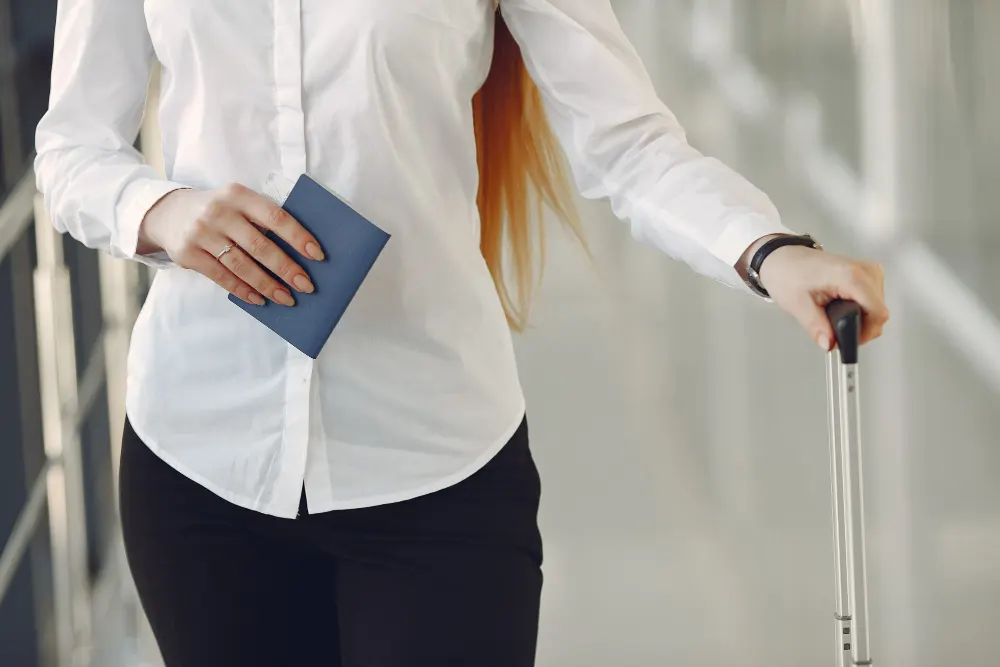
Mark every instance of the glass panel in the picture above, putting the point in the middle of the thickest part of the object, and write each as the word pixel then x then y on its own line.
pixel 32 24
pixel 949 107
pixel 808 47
pixel 964 149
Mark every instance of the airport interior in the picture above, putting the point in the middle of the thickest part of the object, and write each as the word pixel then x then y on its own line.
pixel 680 426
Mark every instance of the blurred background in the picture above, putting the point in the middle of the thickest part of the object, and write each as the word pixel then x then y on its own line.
pixel 680 427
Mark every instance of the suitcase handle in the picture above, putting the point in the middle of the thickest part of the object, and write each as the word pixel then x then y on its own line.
pixel 845 317
pixel 851 614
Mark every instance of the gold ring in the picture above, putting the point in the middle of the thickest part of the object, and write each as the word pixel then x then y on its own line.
pixel 225 250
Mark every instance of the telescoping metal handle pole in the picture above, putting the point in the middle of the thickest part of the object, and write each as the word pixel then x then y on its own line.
pixel 851 617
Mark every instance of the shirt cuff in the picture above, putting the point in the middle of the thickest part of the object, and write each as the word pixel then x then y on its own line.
pixel 136 200
pixel 742 233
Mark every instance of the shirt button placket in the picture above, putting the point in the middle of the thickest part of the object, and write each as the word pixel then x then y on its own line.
pixel 292 149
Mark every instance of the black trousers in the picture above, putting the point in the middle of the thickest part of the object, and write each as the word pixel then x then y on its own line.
pixel 448 579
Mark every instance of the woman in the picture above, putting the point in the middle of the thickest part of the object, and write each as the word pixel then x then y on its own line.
pixel 376 507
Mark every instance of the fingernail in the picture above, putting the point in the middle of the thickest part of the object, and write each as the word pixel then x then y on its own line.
pixel 302 284
pixel 256 299
pixel 314 251
pixel 824 342
pixel 283 297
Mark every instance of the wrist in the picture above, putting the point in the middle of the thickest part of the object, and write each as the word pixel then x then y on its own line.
pixel 743 266
pixel 768 246
pixel 149 237
pixel 146 245
pixel 780 257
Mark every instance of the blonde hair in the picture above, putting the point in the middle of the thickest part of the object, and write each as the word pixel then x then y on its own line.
pixel 521 171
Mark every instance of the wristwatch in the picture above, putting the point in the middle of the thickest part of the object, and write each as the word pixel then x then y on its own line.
pixel 753 271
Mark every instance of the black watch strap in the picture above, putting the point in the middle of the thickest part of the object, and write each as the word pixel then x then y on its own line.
pixel 753 271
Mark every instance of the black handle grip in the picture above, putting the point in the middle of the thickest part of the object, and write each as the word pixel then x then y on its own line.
pixel 845 317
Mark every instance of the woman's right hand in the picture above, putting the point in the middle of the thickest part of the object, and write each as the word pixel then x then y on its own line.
pixel 194 226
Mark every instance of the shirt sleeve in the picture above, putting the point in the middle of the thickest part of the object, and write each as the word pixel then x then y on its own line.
pixel 624 144
pixel 95 184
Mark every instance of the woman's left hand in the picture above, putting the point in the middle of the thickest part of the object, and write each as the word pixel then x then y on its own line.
pixel 802 281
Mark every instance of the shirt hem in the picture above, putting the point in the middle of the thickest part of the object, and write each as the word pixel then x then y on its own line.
pixel 169 459
pixel 320 507
pixel 438 485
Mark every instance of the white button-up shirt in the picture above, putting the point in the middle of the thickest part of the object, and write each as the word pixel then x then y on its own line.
pixel 417 388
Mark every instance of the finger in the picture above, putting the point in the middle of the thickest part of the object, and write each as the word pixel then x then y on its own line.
pixel 263 212
pixel 877 275
pixel 864 288
pixel 875 315
pixel 258 246
pixel 204 263
pixel 871 329
pixel 869 335
pixel 880 274
pixel 250 272
pixel 812 316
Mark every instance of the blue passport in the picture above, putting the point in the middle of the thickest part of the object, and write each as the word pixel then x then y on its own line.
pixel 351 244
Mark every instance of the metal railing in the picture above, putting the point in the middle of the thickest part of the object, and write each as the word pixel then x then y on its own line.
pixel 16 216
pixel 57 493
